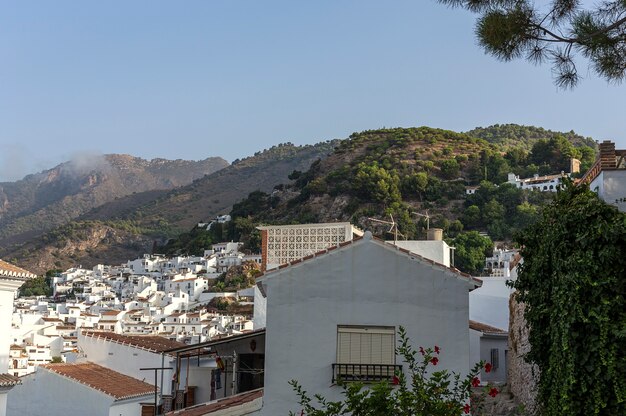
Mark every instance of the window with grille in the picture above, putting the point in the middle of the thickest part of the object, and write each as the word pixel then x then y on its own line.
pixel 365 353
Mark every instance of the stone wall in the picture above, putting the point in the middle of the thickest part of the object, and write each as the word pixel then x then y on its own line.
pixel 522 376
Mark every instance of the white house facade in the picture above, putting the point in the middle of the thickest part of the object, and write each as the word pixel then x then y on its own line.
pixel 337 315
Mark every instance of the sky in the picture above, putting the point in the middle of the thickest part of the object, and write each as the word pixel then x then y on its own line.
pixel 196 79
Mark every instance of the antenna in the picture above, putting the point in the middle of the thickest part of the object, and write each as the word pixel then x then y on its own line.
pixel 425 216
pixel 393 229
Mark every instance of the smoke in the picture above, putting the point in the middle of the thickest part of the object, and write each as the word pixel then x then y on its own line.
pixel 84 162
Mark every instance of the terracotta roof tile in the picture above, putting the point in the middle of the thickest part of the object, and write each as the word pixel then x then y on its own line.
pixel 112 383
pixel 147 342
pixel 11 271
pixel 479 326
pixel 7 380
pixel 226 403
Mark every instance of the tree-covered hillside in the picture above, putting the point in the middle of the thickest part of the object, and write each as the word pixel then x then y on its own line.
pixel 401 172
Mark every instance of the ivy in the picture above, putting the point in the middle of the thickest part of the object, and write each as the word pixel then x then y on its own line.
pixel 573 282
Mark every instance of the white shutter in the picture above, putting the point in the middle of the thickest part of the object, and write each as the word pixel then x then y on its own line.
pixel 365 345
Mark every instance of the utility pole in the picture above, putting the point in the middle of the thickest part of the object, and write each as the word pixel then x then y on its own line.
pixel 156 370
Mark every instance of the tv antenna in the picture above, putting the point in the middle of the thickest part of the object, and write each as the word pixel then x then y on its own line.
pixel 393 229
pixel 425 216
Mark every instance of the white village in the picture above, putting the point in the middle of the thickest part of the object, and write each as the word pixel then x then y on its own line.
pixel 325 304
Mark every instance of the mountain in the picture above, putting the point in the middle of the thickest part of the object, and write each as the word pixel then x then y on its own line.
pixel 128 226
pixel 53 197
pixel 372 174
pixel 407 173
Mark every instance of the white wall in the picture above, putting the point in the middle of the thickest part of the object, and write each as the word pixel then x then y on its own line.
pixel 260 309
pixel 489 304
pixel 435 250
pixel 611 186
pixel 7 293
pixel 474 339
pixel 360 284
pixel 44 393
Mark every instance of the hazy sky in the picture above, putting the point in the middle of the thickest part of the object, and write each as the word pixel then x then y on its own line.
pixel 195 79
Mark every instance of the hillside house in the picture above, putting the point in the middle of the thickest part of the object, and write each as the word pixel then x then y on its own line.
pixel 489 344
pixel 607 177
pixel 348 302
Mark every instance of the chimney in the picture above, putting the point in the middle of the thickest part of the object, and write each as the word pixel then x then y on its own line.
pixel 607 155
pixel 434 234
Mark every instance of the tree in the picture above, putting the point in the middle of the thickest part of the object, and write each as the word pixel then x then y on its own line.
pixel 572 283
pixel 471 250
pixel 510 29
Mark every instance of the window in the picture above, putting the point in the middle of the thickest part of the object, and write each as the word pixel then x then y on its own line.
pixel 365 353
pixel 495 358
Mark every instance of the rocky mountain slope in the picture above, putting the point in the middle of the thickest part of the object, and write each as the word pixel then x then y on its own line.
pixel 128 226
pixel 53 197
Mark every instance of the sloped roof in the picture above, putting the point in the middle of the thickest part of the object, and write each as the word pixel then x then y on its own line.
pixel 222 404
pixel 479 326
pixel 8 270
pixel 7 380
pixel 368 236
pixel 151 343
pixel 105 380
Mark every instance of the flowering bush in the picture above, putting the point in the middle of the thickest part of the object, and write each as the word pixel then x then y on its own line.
pixel 423 391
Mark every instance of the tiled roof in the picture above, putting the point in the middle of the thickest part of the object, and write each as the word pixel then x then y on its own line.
pixel 11 271
pixel 7 380
pixel 479 326
pixel 110 313
pixel 215 406
pixel 109 382
pixel 148 342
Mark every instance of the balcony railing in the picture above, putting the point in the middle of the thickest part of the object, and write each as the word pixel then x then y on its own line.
pixel 364 372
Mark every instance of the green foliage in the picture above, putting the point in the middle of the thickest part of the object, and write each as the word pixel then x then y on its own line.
pixel 471 250
pixel 555 32
pixel 572 282
pixel 421 392
pixel 377 183
pixel 38 286
pixel 450 169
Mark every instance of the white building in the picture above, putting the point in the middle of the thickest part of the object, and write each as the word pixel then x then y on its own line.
pixel 356 295
pixel 489 344
pixel 11 278
pixel 77 390
pixel 499 265
pixel 545 183
pixel 128 354
pixel 607 176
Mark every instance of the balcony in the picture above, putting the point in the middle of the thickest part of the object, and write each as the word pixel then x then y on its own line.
pixel 364 372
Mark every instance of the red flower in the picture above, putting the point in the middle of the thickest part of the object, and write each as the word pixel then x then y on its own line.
pixel 437 349
pixel 493 392
pixel 434 360
pixel 422 351
pixel 488 367
pixel 466 409
pixel 395 380
pixel 475 382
